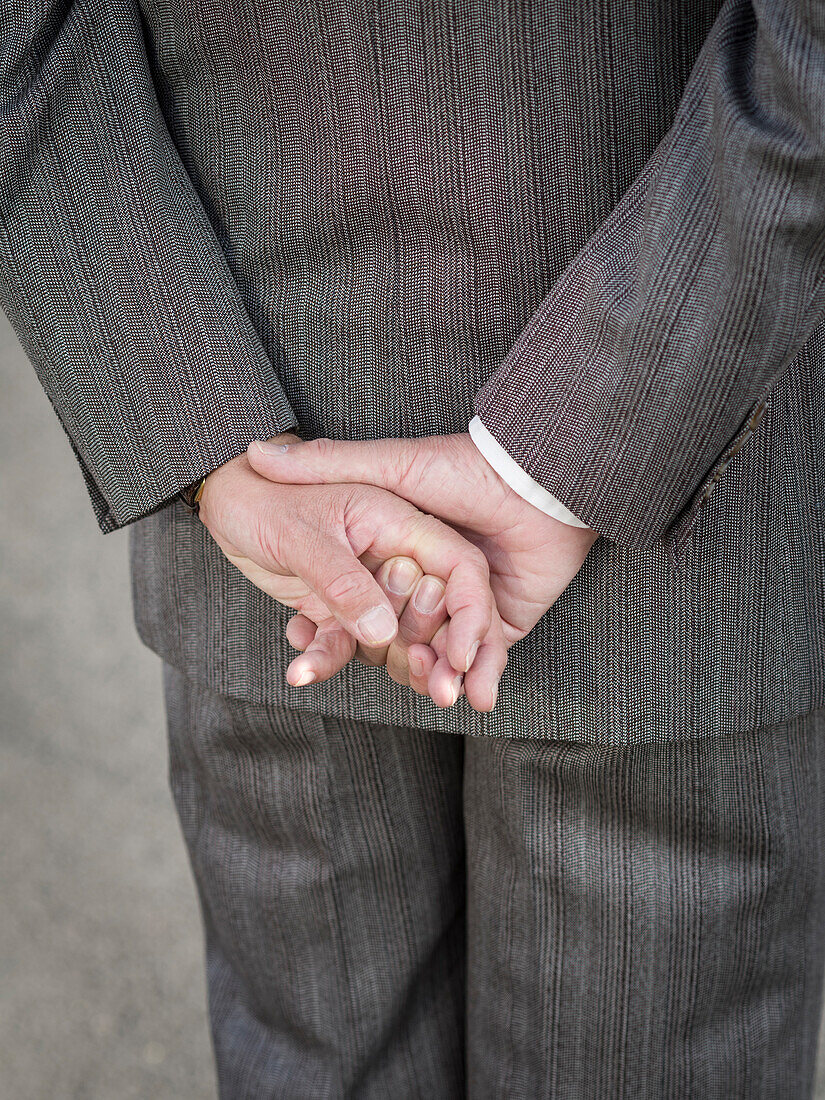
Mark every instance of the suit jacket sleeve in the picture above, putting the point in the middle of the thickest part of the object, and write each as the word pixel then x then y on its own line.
pixel 516 478
pixel 650 362
pixel 110 270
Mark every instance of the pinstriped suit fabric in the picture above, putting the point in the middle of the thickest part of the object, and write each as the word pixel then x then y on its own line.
pixel 643 923
pixel 683 311
pixel 217 218
pixel 648 922
pixel 329 858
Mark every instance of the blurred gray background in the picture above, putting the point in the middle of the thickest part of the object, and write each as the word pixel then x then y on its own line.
pixel 101 978
pixel 102 992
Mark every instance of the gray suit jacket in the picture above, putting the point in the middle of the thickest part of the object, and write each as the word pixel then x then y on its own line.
pixel 599 225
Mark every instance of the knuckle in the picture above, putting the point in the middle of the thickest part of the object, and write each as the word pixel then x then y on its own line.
pixel 343 588
pixel 412 632
pixel 427 526
pixel 356 497
pixel 319 448
pixel 327 517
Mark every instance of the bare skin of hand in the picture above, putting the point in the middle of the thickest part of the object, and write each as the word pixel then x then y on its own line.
pixel 315 549
pixel 418 600
pixel 532 557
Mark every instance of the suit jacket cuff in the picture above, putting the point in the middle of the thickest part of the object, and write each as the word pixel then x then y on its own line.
pixel 518 480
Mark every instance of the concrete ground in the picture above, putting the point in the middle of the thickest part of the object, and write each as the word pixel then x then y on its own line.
pixel 101 983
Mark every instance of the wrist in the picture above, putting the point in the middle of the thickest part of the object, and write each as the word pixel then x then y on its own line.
pixel 518 480
pixel 193 496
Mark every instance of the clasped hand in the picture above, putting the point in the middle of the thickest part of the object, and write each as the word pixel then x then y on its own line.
pixel 412 554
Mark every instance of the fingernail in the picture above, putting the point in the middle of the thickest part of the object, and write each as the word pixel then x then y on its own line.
pixel 268 448
pixel 428 595
pixel 471 656
pixel 493 694
pixel 402 576
pixel 377 626
pixel 455 687
pixel 306 677
pixel 416 666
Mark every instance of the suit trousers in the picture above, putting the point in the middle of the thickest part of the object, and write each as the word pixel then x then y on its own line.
pixel 398 913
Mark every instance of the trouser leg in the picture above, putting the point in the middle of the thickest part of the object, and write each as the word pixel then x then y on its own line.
pixel 646 923
pixel 329 861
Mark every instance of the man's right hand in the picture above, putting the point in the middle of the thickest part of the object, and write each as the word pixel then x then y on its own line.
pixel 312 548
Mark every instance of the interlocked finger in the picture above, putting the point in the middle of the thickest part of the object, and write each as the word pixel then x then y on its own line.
pixel 424 614
pixel 397 577
pixel 330 649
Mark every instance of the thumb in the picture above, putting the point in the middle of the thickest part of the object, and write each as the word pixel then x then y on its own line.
pixel 382 462
pixel 349 590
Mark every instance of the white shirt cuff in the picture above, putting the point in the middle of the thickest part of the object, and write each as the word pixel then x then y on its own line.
pixel 519 480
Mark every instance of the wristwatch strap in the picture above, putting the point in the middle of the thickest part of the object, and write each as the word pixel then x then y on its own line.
pixel 191 496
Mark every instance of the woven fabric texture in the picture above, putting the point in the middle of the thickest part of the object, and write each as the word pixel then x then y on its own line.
pixel 667 333
pixel 599 225
pixel 394 913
